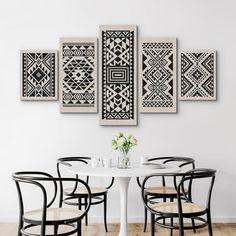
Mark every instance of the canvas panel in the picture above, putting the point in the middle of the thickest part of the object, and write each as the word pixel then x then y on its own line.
pixel 78 75
pixel 39 75
pixel 197 75
pixel 118 52
pixel 157 75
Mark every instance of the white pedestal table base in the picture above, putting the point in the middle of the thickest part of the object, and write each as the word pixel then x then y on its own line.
pixel 123 185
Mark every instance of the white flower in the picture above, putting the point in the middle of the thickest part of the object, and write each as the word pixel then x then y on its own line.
pixel 133 140
pixel 130 136
pixel 119 134
pixel 121 141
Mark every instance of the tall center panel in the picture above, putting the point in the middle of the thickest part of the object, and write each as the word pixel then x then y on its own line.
pixel 118 74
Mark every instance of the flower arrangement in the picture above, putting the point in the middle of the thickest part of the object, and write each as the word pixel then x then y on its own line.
pixel 123 143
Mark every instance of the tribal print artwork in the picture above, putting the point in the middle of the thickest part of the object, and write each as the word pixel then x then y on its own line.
pixel 157 65
pixel 78 75
pixel 118 75
pixel 197 75
pixel 38 75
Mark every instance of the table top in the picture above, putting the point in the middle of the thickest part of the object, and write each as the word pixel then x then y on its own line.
pixel 135 171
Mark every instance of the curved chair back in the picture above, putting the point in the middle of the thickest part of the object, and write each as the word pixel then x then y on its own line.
pixel 40 179
pixel 68 161
pixel 199 173
pixel 180 162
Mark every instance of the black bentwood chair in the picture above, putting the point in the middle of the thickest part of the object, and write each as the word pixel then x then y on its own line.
pixel 184 208
pixel 47 220
pixel 99 194
pixel 168 188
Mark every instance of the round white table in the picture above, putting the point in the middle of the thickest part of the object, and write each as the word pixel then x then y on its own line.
pixel 123 176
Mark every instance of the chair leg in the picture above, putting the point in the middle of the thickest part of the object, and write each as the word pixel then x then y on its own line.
pixel 181 226
pixel 152 225
pixel 145 220
pixel 79 207
pixel 145 216
pixel 193 225
pixel 171 220
pixel 164 220
pixel 79 203
pixel 105 212
pixel 20 226
pixel 171 223
pixel 209 224
pixel 55 230
pixel 86 216
pixel 79 227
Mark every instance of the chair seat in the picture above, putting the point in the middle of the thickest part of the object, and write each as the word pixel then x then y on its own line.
pixel 172 207
pixel 162 190
pixel 53 215
pixel 81 190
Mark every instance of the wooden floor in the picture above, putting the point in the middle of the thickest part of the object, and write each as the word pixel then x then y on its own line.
pixel 7 229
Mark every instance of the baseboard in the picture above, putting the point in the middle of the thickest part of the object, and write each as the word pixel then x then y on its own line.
pixel 141 220
pixel 131 220
pixel 224 220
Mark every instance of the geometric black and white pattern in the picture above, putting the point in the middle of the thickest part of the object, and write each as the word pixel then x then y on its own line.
pixel 197 75
pixel 78 75
pixel 157 71
pixel 118 52
pixel 39 75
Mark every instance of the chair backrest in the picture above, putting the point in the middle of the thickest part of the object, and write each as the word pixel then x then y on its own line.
pixel 192 175
pixel 68 161
pixel 180 162
pixel 40 179
pixel 189 176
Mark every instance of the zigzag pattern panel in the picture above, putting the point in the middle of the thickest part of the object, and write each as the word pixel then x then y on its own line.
pixel 157 71
pixel 78 75
pixel 38 75
pixel 197 75
pixel 118 75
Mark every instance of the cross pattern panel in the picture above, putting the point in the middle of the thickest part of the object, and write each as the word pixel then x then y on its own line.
pixel 118 75
pixel 39 75
pixel 197 75
pixel 78 75
pixel 157 71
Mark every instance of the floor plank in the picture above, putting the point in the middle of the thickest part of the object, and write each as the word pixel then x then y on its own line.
pixel 10 229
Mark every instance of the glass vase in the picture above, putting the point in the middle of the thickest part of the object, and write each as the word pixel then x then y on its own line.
pixel 123 161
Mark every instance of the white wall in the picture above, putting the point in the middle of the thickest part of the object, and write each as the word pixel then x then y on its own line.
pixel 34 134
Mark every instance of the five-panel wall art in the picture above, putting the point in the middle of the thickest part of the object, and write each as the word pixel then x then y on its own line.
pixel 123 76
